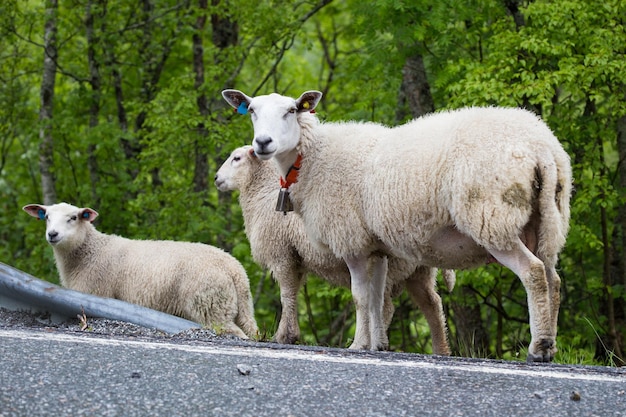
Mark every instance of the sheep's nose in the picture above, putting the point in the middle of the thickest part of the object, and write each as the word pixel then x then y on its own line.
pixel 52 234
pixel 263 142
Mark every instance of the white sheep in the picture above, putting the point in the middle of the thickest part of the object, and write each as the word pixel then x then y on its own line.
pixel 454 190
pixel 192 280
pixel 279 243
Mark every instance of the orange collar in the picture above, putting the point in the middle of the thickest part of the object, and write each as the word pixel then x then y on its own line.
pixel 292 174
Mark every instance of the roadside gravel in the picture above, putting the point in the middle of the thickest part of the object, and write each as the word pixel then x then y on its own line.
pixel 25 320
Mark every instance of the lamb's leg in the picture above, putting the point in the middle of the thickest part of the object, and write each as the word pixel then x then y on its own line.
pixel 376 297
pixel 532 273
pixel 290 283
pixel 421 288
pixel 359 288
pixel 233 329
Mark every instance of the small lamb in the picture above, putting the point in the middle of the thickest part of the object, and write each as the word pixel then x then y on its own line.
pixel 192 280
pixel 455 189
pixel 279 242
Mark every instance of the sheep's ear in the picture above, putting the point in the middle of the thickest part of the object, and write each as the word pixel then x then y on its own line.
pixel 238 100
pixel 251 152
pixel 88 214
pixel 308 100
pixel 36 210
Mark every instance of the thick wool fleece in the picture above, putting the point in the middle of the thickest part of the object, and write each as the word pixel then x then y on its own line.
pixel 279 243
pixel 192 280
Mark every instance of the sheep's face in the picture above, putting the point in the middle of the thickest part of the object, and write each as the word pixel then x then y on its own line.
pixel 274 118
pixel 233 173
pixel 65 224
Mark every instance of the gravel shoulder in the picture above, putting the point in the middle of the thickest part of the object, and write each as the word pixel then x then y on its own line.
pixel 10 319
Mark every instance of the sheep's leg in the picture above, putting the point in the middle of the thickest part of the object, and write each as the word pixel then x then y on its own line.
pixel 388 310
pixel 376 297
pixel 290 283
pixel 421 288
pixel 233 329
pixel 532 273
pixel 359 289
pixel 554 288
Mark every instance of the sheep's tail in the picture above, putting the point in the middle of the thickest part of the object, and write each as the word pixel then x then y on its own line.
pixel 554 178
pixel 449 277
pixel 245 307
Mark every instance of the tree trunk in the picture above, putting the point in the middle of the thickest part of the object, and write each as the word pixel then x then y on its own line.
pixel 94 107
pixel 512 7
pixel 415 90
pixel 46 147
pixel 618 250
pixel 201 169
pixel 225 35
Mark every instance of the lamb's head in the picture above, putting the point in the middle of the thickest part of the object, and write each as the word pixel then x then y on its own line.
pixel 65 224
pixel 274 118
pixel 236 171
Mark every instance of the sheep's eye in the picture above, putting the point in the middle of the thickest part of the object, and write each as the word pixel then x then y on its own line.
pixel 73 218
pixel 250 110
pixel 236 158
pixel 292 110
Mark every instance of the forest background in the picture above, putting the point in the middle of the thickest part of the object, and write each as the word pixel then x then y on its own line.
pixel 116 105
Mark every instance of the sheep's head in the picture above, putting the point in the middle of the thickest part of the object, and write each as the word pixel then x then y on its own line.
pixel 64 222
pixel 274 118
pixel 235 171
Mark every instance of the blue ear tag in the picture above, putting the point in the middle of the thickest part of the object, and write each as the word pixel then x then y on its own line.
pixel 85 215
pixel 243 108
pixel 42 214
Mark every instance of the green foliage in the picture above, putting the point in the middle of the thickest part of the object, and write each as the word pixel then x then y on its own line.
pixel 135 161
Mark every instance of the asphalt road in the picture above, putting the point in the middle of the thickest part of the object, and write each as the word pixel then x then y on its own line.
pixel 52 373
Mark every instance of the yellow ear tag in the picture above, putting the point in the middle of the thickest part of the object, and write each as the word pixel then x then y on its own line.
pixel 305 105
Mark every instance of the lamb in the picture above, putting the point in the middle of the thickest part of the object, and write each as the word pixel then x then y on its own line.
pixel 279 243
pixel 455 189
pixel 192 280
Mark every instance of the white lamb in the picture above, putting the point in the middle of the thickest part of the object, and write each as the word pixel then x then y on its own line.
pixel 452 190
pixel 192 280
pixel 279 243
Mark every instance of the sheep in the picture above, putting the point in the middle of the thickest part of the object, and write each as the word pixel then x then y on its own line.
pixel 279 243
pixel 455 189
pixel 199 282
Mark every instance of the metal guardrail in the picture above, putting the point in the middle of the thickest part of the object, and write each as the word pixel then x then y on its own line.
pixel 24 292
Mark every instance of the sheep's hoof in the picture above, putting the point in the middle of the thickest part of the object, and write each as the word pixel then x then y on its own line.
pixel 545 353
pixel 358 346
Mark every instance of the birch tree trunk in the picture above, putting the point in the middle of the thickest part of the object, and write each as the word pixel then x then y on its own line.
pixel 46 147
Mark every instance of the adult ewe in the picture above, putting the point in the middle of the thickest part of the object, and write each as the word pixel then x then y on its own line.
pixel 279 243
pixel 451 190
pixel 191 280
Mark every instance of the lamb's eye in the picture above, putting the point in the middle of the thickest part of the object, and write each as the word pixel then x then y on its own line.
pixel 292 111
pixel 250 110
pixel 236 158
pixel 73 218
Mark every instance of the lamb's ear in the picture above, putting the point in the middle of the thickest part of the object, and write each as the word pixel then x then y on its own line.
pixel 88 214
pixel 238 100
pixel 308 100
pixel 251 152
pixel 36 210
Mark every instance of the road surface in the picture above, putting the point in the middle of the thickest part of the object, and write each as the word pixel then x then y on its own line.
pixel 55 373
